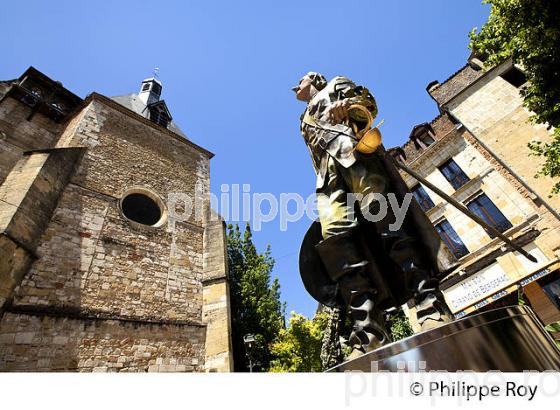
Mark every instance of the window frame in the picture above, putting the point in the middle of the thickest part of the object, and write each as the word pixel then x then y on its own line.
pixel 486 215
pixel 459 178
pixel 424 197
pixel 455 245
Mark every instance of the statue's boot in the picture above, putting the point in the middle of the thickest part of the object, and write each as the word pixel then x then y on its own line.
pixel 346 265
pixel 431 309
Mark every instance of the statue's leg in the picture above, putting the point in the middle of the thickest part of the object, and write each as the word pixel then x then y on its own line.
pixel 369 177
pixel 403 249
pixel 345 263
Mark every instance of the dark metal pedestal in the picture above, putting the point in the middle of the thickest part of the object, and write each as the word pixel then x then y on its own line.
pixel 508 339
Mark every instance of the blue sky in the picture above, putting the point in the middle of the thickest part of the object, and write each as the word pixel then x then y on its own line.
pixel 227 68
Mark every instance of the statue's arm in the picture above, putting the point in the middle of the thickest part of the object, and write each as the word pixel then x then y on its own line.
pixel 345 89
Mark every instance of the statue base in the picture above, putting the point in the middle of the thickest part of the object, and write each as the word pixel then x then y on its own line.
pixel 509 339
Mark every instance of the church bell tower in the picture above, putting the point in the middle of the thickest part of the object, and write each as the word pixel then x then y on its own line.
pixel 150 91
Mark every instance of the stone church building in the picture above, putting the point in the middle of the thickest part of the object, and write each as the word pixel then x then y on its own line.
pixel 95 274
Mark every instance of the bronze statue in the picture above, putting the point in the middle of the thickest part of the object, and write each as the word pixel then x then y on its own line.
pixel 347 259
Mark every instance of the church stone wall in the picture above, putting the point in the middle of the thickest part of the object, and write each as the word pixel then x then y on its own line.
pixel 106 293
pixel 31 342
pixel 28 197
pixel 111 259
pixel 19 132
pixel 216 306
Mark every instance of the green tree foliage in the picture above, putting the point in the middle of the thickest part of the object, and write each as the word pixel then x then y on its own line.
pixel 332 350
pixel 255 301
pixel 399 326
pixel 298 347
pixel 528 31
pixel 554 328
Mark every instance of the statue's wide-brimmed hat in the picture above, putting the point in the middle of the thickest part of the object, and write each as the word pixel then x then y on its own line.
pixel 317 80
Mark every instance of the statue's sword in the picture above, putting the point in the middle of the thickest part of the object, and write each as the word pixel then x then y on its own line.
pixel 463 209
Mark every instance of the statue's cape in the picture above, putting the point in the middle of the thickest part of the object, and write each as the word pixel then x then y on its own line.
pixel 389 285
pixel 416 221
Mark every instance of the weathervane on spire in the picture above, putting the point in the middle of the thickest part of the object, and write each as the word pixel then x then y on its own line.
pixel 156 72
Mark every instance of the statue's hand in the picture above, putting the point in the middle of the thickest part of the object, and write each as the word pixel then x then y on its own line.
pixel 338 111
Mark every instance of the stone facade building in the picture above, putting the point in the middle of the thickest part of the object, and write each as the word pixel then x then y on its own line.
pixel 96 272
pixel 476 151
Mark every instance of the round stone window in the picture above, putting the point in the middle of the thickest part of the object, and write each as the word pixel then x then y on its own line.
pixel 143 207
